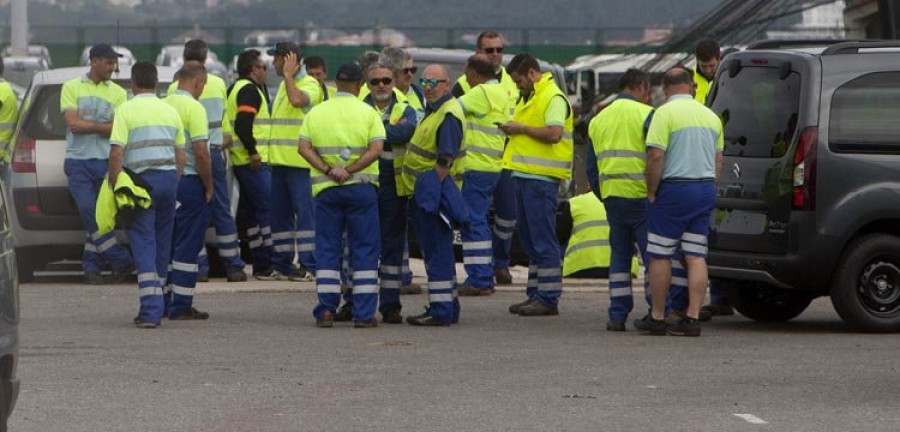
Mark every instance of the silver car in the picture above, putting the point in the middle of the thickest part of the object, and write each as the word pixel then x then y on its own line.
pixel 173 56
pixel 125 61
pixel 43 216
pixel 20 70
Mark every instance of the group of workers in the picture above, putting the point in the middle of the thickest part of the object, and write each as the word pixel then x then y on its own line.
pixel 331 178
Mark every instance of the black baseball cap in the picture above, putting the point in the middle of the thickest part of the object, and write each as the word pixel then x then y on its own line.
pixel 103 50
pixel 283 48
pixel 349 72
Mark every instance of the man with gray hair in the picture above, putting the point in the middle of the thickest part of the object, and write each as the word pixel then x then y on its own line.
pixel 402 63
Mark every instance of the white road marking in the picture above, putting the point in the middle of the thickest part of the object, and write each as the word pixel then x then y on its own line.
pixel 752 419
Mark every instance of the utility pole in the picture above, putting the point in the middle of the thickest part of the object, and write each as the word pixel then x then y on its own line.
pixel 18 23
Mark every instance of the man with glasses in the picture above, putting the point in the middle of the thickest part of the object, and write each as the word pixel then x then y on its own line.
pixel 248 112
pixel 540 155
pixel 404 72
pixel 293 225
pixel 486 104
pixel 427 176
pixel 490 44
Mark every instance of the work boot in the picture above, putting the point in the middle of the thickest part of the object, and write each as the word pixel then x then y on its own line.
pixel 711 310
pixel 391 314
pixel 143 324
pixel 203 278
pixel 502 276
pixel 674 317
pixel 366 324
pixel 301 275
pixel 466 290
pixel 426 320
pixel 344 313
pixel 326 320
pixel 651 326
pixel 121 274
pixel 615 326
pixel 191 315
pixel 515 307
pixel 536 308
pixel 269 275
pixel 237 276
pixel 95 279
pixel 686 327
pixel 412 288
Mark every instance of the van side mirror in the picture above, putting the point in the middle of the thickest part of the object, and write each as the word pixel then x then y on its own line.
pixel 734 68
pixel 784 70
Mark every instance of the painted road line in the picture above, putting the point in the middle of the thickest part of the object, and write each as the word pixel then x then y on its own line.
pixel 752 419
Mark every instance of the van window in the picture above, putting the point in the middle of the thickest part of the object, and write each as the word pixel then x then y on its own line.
pixel 759 111
pixel 46 122
pixel 864 114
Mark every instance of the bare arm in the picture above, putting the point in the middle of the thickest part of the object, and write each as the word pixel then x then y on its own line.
pixel 720 160
pixel 179 161
pixel 546 134
pixel 116 155
pixel 297 98
pixel 656 159
pixel 373 152
pixel 203 165
pixel 306 150
pixel 80 126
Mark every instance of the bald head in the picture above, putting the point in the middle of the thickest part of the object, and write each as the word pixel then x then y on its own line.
pixel 192 78
pixel 677 81
pixel 436 82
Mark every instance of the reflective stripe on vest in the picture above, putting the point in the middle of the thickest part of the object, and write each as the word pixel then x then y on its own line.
pixel 530 156
pixel 261 125
pixel 285 126
pixel 617 134
pixel 485 142
pixel 9 114
pixel 589 243
pixel 421 152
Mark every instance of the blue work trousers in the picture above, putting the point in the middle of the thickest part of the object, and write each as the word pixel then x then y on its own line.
pixel 225 227
pixel 393 211
pixel 477 191
pixel 253 211
pixel 101 252
pixel 292 219
pixel 505 208
pixel 151 243
pixel 538 202
pixel 353 208
pixel 435 239
pixel 191 219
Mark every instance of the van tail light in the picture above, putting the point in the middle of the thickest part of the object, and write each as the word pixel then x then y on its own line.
pixel 23 159
pixel 804 190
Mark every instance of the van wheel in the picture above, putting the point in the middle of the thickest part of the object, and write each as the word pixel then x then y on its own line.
pixel 865 290
pixel 765 303
pixel 25 267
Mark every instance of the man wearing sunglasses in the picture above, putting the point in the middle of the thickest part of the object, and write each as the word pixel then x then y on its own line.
pixel 293 225
pixel 404 73
pixel 490 44
pixel 540 155
pixel 486 104
pixel 248 111
pixel 428 163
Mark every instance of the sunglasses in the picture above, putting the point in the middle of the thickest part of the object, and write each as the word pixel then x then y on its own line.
pixel 383 81
pixel 433 82
pixel 498 50
pixel 410 70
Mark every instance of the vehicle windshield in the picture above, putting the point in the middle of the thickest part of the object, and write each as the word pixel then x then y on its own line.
pixel 759 111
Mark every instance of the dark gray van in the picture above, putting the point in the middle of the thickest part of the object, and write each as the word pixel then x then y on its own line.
pixel 9 318
pixel 809 201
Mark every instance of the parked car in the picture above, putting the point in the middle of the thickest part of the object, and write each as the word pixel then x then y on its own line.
pixel 33 51
pixel 173 56
pixel 807 204
pixel 9 319
pixel 20 70
pixel 125 61
pixel 43 216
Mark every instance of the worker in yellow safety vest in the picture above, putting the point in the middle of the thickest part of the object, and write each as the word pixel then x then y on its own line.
pixel 540 155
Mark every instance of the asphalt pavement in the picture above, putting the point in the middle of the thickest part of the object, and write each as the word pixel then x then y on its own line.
pixel 259 364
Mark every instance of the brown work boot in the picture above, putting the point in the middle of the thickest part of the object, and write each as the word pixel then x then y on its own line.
pixel 344 313
pixel 426 320
pixel 326 320
pixel 536 308
pixel 366 324
pixel 237 276
pixel 412 288
pixel 711 310
pixel 515 307
pixel 674 317
pixel 191 314
pixel 466 290
pixel 502 276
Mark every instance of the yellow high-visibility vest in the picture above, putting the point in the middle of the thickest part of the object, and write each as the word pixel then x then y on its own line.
pixel 617 133
pixel 261 125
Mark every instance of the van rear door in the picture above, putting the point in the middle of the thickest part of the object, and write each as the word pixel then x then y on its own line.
pixel 758 97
